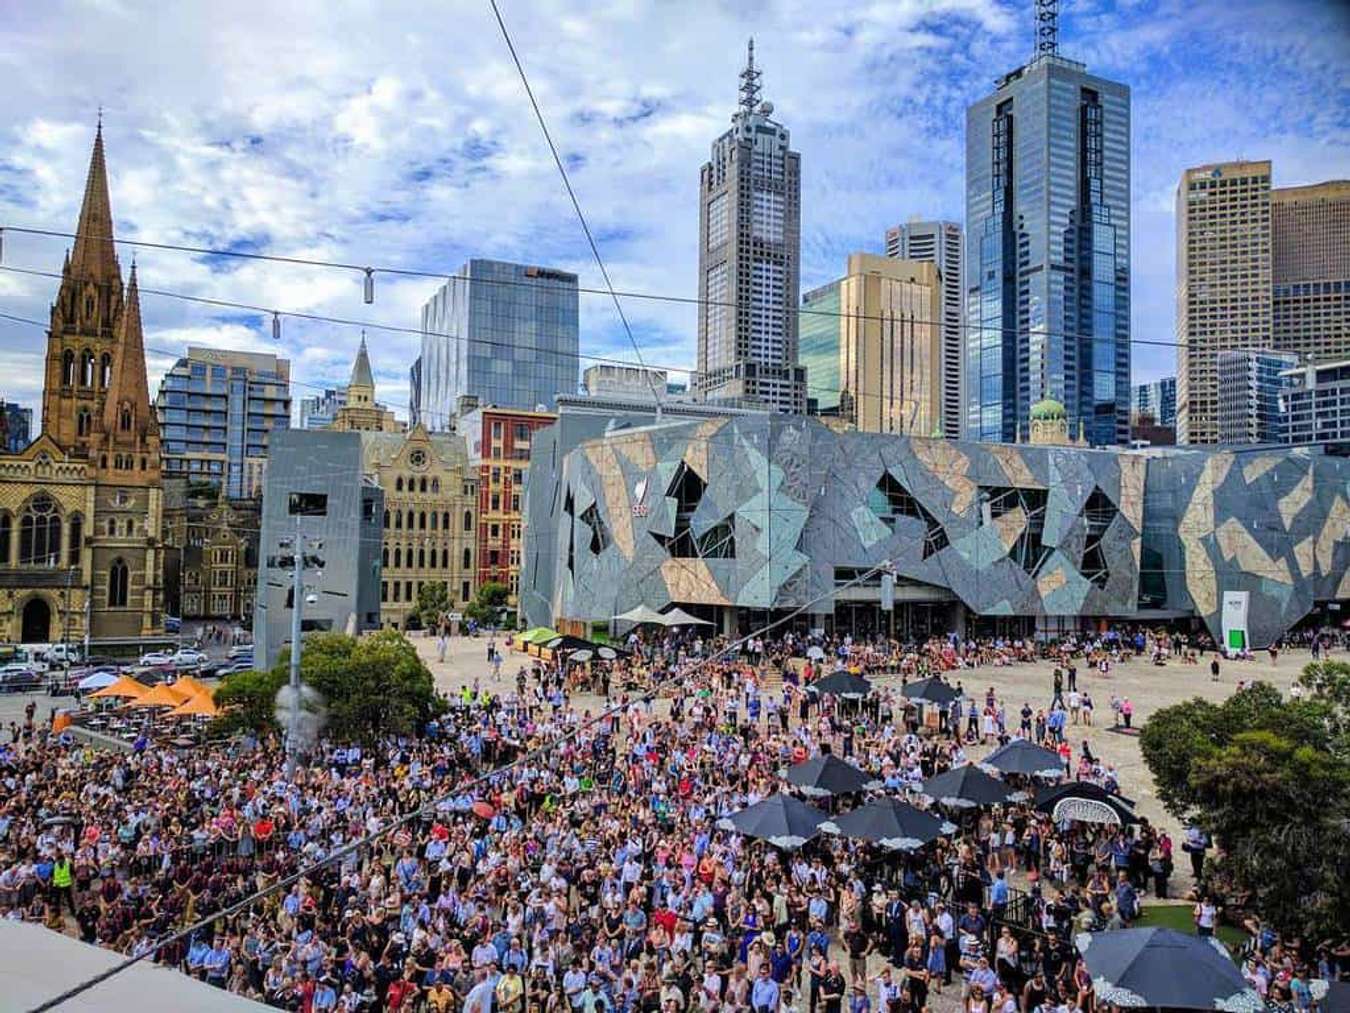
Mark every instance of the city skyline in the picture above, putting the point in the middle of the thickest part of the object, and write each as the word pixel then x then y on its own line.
pixel 371 147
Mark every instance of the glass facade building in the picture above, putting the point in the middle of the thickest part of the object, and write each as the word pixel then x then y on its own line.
pixel 216 409
pixel 1157 400
pixel 818 337
pixel 1251 382
pixel 504 333
pixel 16 427
pixel 1047 281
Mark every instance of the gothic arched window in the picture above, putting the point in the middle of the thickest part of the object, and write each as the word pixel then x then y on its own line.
pixel 67 368
pixel 76 539
pixel 40 533
pixel 6 531
pixel 118 579
pixel 105 370
pixel 86 368
pixel 83 422
pixel 124 418
pixel 468 559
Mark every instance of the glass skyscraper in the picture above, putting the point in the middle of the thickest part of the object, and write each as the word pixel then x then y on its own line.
pixel 818 331
pixel 505 333
pixel 1047 275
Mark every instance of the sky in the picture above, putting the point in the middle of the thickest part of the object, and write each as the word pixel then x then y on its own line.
pixel 394 134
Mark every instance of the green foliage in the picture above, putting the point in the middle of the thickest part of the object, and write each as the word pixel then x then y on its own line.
pixel 1270 779
pixel 491 597
pixel 433 601
pixel 372 686
pixel 246 701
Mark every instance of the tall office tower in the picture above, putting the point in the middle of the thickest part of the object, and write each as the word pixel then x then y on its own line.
pixel 1250 382
pixel 874 341
pixel 1223 283
pixel 940 243
pixel 1047 276
pixel 1310 239
pixel 749 253
pixel 1315 403
pixel 319 411
pixel 505 333
pixel 216 410
pixel 1157 400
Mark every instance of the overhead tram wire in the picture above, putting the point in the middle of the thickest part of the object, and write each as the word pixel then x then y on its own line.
pixel 482 341
pixel 576 204
pixel 674 678
pixel 798 311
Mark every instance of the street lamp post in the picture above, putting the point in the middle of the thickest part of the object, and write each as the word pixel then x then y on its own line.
pixel 295 557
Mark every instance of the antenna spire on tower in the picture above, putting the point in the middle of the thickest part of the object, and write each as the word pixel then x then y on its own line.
pixel 1047 27
pixel 750 80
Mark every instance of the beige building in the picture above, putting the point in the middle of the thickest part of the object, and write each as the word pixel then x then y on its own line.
pixel 1223 282
pixel 430 517
pixel 1257 268
pixel 80 506
pixel 362 413
pixel 890 345
pixel 1310 236
pixel 210 554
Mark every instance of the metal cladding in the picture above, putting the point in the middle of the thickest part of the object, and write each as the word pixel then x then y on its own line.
pixel 762 512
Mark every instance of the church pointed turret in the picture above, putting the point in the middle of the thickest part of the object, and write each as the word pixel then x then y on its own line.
pixel 129 431
pixel 94 257
pixel 361 374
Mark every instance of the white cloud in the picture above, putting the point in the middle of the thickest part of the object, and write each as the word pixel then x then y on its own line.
pixel 385 135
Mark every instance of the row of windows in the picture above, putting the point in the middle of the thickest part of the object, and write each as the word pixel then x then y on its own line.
pixel 408 590
pixel 401 556
pixel 411 520
pixel 86 375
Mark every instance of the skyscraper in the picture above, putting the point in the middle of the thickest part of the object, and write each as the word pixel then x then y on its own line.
pixel 1223 283
pixel 1250 383
pixel 16 427
pixel 1310 270
pixel 319 411
pixel 1257 268
pixel 749 254
pixel 940 243
pixel 1047 276
pixel 505 333
pixel 874 336
pixel 216 410
pixel 1157 400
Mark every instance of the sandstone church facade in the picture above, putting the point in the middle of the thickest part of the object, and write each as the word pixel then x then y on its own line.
pixel 81 506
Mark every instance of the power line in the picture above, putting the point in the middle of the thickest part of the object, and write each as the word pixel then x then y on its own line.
pixel 675 677
pixel 576 205
pixel 798 311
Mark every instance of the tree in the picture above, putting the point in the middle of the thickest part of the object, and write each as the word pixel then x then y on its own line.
pixel 1269 778
pixel 372 687
pixel 433 601
pixel 490 598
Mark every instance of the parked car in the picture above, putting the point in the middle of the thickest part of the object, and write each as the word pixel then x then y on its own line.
pixel 157 658
pixel 188 657
pixel 172 624
pixel 241 652
pixel 210 669
pixel 63 655
pixel 238 665
pixel 19 679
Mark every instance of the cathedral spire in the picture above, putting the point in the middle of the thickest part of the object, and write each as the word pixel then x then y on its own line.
pixel 94 257
pixel 127 416
pixel 361 374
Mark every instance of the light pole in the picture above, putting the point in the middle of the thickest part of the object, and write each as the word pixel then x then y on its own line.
pixel 298 560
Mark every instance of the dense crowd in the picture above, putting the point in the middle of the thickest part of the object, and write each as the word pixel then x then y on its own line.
pixel 593 874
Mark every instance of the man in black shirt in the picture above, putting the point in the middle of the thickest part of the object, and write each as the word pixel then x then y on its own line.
pixel 832 989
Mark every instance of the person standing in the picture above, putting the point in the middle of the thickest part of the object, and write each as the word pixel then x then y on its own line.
pixel 1214 669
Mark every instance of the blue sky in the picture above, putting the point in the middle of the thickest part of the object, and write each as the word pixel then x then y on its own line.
pixel 395 133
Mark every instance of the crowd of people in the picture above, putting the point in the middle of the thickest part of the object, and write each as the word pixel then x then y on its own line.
pixel 592 873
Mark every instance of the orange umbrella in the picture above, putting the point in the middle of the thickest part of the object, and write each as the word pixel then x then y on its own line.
pixel 62 722
pixel 191 686
pixel 201 703
pixel 162 695
pixel 124 686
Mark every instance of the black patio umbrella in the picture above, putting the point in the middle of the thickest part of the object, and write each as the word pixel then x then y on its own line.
pixel 780 819
pixel 568 643
pixel 1164 967
pixel 890 823
pixel 932 690
pixel 966 787
pixel 1086 802
pixel 844 684
pixel 827 775
pixel 1023 757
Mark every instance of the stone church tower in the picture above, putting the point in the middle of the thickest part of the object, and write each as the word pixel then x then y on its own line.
pixel 81 506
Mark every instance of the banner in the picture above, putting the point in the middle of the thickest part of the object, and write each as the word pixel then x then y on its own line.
pixel 1233 620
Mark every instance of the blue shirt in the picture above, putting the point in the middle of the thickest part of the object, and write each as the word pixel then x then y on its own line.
pixel 998 892
pixel 765 993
